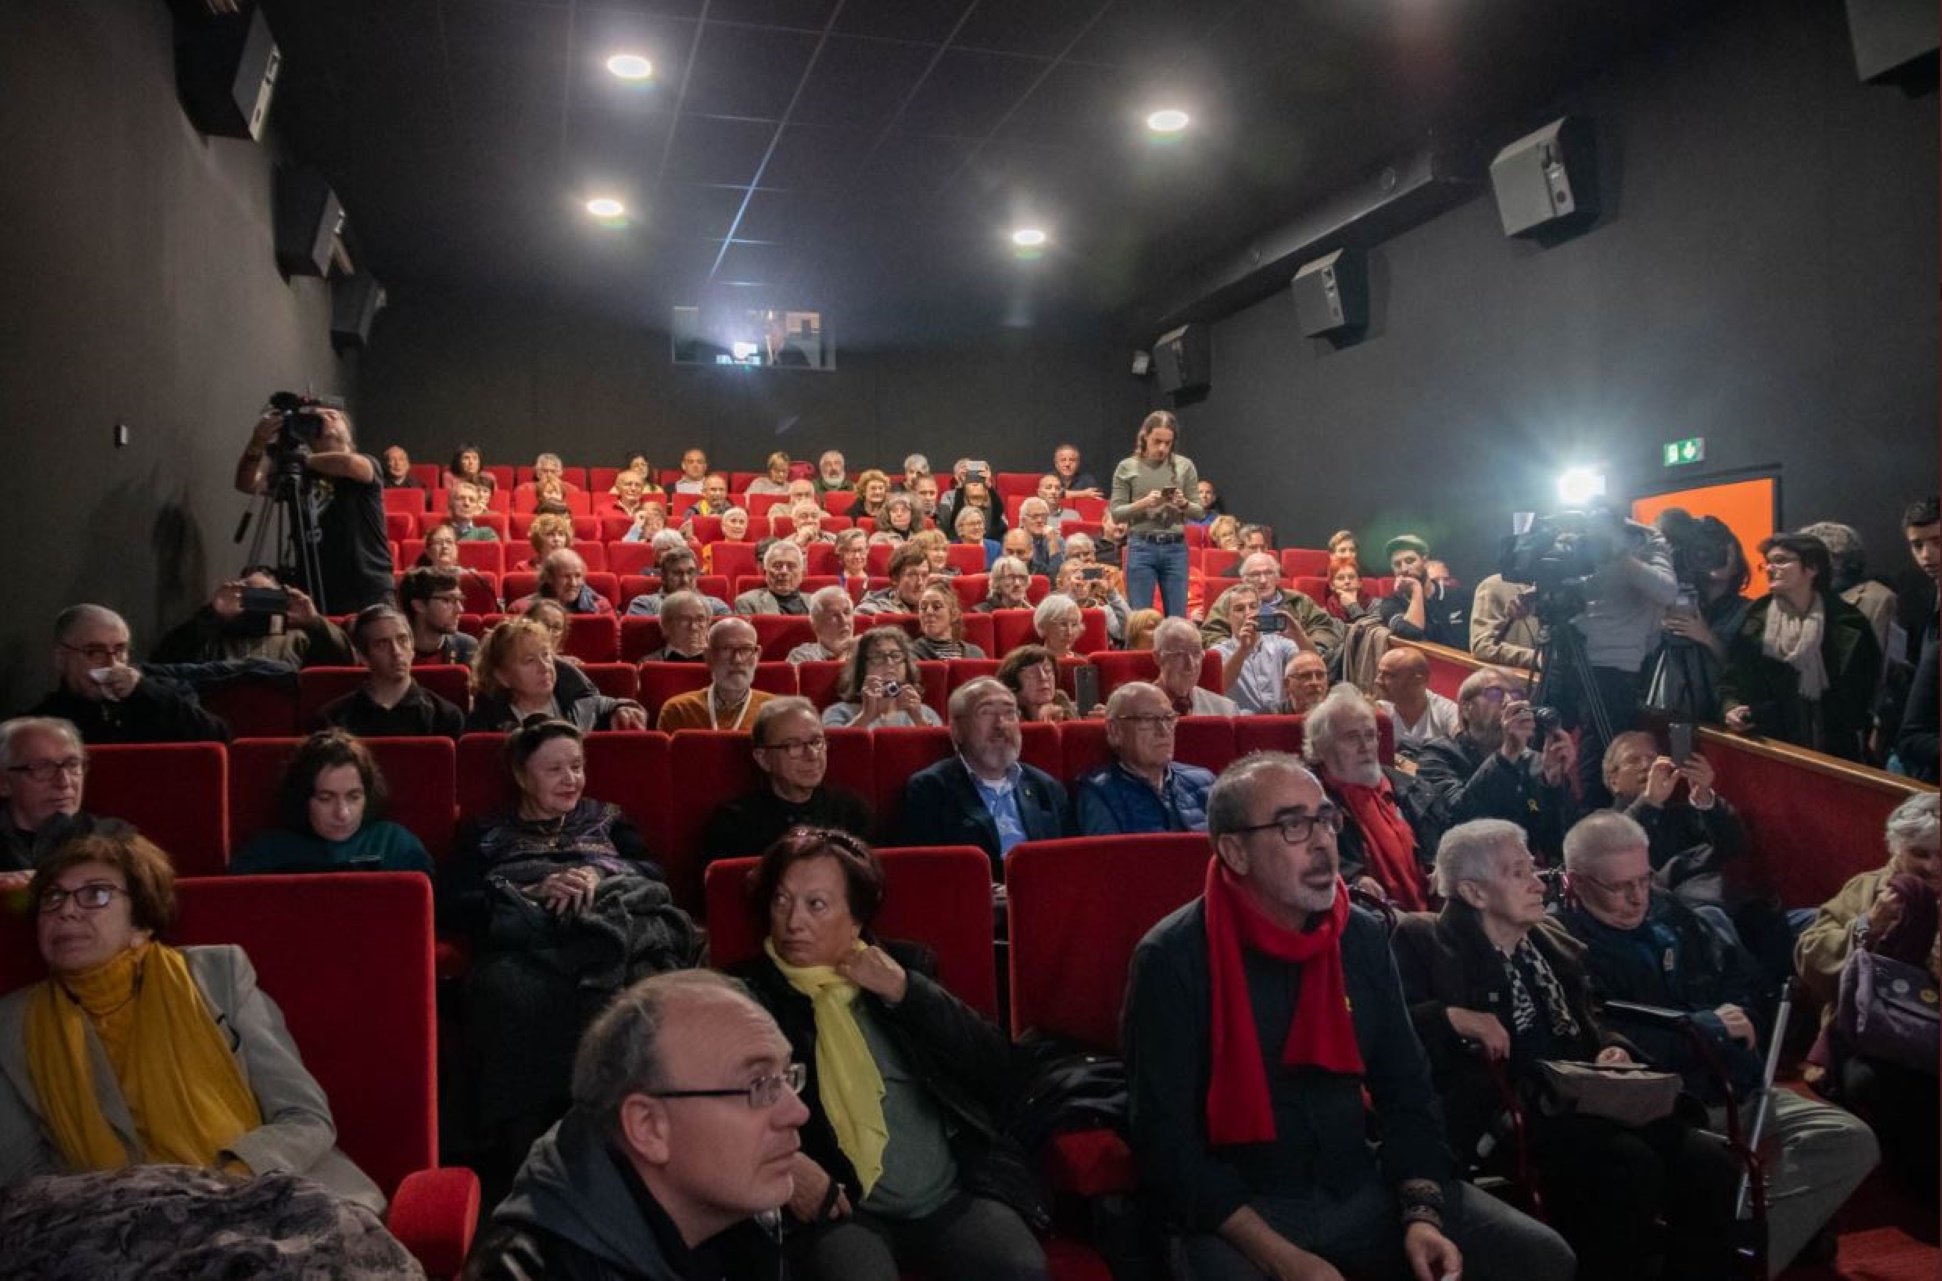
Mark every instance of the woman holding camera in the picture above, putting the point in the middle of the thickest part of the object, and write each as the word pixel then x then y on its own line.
pixel 1153 495
pixel 881 684
pixel 1713 575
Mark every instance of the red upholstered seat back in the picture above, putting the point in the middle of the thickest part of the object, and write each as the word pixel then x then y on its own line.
pixel 901 752
pixel 733 560
pixel 176 794
pixel 980 631
pixel 709 767
pixel 409 499
pixel 631 770
pixel 420 775
pixel 1267 734
pixel 255 708
pixel 938 897
pixel 629 558
pixel 1206 741
pixel 962 671
pixel 1304 562
pixel 1077 910
pixel 817 681
pixel 662 681
pixel 615 680
pixel 639 637
pixel 965 557
pixel 1120 666
pixel 780 633
pixel 593 638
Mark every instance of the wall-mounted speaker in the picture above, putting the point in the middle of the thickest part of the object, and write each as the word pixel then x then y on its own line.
pixel 308 216
pixel 1547 182
pixel 1183 361
pixel 225 70
pixel 355 302
pixel 1893 39
pixel 1332 294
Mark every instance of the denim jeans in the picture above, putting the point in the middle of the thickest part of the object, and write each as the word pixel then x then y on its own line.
pixel 1150 564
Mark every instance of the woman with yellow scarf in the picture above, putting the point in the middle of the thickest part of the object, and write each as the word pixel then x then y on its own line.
pixel 132 1052
pixel 902 1167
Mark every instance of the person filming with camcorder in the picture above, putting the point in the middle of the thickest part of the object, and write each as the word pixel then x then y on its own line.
pixel 328 499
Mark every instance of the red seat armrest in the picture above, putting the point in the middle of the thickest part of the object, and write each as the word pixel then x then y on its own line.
pixel 434 1213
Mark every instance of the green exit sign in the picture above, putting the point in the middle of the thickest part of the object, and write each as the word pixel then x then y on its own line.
pixel 1680 452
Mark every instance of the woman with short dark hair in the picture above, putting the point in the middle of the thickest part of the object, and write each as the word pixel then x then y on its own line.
pixel 881 684
pixel 330 816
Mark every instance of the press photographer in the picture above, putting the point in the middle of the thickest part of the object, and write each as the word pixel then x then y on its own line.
pixel 328 499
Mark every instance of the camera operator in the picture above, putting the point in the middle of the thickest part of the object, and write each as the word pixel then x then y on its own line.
pixel 1712 602
pixel 341 488
pixel 255 617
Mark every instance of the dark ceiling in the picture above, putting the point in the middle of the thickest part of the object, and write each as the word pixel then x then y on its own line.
pixel 870 157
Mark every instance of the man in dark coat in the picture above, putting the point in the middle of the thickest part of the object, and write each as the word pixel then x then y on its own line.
pixel 1490 771
pixel 111 701
pixel 1391 820
pixel 792 751
pixel 983 795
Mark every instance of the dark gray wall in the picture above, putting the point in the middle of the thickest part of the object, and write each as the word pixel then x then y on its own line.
pixel 141 287
pixel 1764 276
pixel 516 378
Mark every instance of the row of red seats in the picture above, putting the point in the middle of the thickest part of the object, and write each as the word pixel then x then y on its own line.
pixel 489 593
pixel 601 479
pixel 579 502
pixel 729 559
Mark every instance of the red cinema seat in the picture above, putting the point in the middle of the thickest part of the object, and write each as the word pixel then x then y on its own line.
pixel 504 476
pixel 630 769
pixel 420 776
pixel 967 559
pixel 630 558
pixel 611 529
pixel 979 630
pixel 762 504
pixel 1089 509
pixel 632 585
pixel 962 671
pixel 320 686
pixel 1020 484
pixel 640 636
pixel 594 553
pixel 705 529
pixel 606 584
pixel 408 500
pixel 852 766
pixel 900 752
pixel 375 1056
pixel 255 707
pixel 971 589
pixel 940 897
pixel 1013 627
pixel 935 676
pixel 519 584
pixel 715 585
pixel 600 480
pixel 1082 746
pixel 710 767
pixel 426 474
pixel 176 794
pixel 593 638
pixel 662 681
pixel 487 557
pixel 615 680
pixel 256 768
pixel 399 525
pixel 731 561
pixel 820 559
pixel 1196 536
pixel 739 481
pixel 1304 562
pixel 1315 589
pixel 1267 734
pixel 1039 746
pixel 481 589
pixel 838 502
pixel 1206 741
pixel 780 633
pixel 484 785
pixel 880 558
pixel 817 681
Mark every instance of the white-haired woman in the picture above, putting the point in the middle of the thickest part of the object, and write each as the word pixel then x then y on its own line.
pixel 1059 624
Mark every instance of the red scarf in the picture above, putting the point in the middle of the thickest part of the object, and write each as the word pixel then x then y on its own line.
pixel 1389 841
pixel 1322 1033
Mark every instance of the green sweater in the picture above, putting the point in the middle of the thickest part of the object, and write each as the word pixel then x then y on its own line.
pixel 390 847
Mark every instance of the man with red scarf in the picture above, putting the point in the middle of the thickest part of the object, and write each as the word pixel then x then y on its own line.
pixel 1266 1041
pixel 1390 822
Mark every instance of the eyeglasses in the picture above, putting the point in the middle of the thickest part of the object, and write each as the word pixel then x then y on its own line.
pixel 45 771
pixel 91 897
pixel 1296 828
pixel 762 1093
pixel 1492 695
pixel 1176 655
pixel 1637 887
pixel 740 653
pixel 798 748
pixel 884 658
pixel 100 655
pixel 1152 722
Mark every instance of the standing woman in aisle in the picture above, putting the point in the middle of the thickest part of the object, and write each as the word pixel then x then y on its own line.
pixel 1154 492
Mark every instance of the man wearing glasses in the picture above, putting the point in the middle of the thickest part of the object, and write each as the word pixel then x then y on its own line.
pixel 1142 789
pixel 433 600
pixel 42 769
pixel 1645 946
pixel 729 700
pixel 107 698
pixel 1178 649
pixel 683 1129
pixel 1258 1017
pixel 1489 769
pixel 792 752
pixel 984 795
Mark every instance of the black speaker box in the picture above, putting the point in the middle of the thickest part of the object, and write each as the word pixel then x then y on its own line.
pixel 1893 39
pixel 1332 294
pixel 308 215
pixel 1547 182
pixel 355 302
pixel 1183 360
pixel 225 70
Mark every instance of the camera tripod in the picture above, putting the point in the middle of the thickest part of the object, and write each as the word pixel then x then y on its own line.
pixel 284 511
pixel 1561 657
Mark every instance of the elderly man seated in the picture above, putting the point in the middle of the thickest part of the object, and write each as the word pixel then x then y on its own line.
pixel 1304 682
pixel 563 580
pixel 1420 713
pixel 464 504
pixel 1142 789
pixel 830 474
pixel 806 520
pixel 548 471
pixel 684 629
pixel 1259 644
pixel 792 751
pixel 782 566
pixel 1177 648
pixel 396 472
pixel 983 795
pixel 390 704
pixel 1308 623
pixel 1489 770
pixel 679 573
pixel 108 699
pixel 1691 837
pixel 833 615
pixel 1391 821
pixel 1645 946
pixel 1267 1042
pixel 729 700
pixel 43 769
pixel 1008 585
pixel 1047 550
pixel 255 617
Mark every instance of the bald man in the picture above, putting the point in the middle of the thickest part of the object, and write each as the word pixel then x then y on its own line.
pixel 1304 682
pixel 1420 713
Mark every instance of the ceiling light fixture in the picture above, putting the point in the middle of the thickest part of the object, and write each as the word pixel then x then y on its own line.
pixel 1170 120
pixel 606 207
pixel 630 66
pixel 1028 237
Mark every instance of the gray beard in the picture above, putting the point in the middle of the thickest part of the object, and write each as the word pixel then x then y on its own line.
pixel 1489 737
pixel 1363 775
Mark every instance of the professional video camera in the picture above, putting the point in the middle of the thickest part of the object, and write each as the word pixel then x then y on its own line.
pixel 302 425
pixel 1557 554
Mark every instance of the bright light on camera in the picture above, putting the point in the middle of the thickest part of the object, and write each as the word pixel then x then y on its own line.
pixel 1579 485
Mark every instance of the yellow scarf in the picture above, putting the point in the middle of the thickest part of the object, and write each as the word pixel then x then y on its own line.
pixel 183 1087
pixel 847 1078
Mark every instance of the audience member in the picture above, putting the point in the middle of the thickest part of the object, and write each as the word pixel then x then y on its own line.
pixel 1253 661
pixel 547 534
pixel 1008 585
pixel 1488 769
pixel 1391 820
pixel 649 521
pixel 397 470
pixel 1092 587
pixel 970 524
pixel 630 492
pixel 1211 505
pixel 552 615
pixel 833 616
pixel 1047 550
pixel 774 480
pixel 1051 492
pixel 1690 838
pixel 1154 494
pixel 872 491
pixel 1712 605
pixel 924 495
pixel 1419 609
pixel 1140 625
pixel 909 572
pixel 1922 527
pixel 1504 628
pixel 516 677
pixel 1077 481
pixel 643 1180
pixel 782 566
pixel 345 491
pixel 441 550
pixel 729 699
pixel 853 560
pixel 43 772
pixel 1304 682
pixel 134 1052
pixel 1346 601
pixel 1419 712
pixel 108 699
pixel 801 490
pixel 563 579
pixel 678 574
pixel 806 526
pixel 1341 546
pixel 880 685
pixel 897 521
pixel 734 527
pixel 390 704
pixel 694 470
pixel 982 794
pixel 940 621
pixel 433 600
pixel 1645 946
pixel 916 467
pixel 254 617
pixel 1849 578
pixel 1803 666
pixel 792 751
pixel 1253 1095
pixel 830 475
pixel 548 480
pixel 465 502
pixel 1032 675
pixel 465 468
pixel 1059 623
pixel 1308 623
pixel 903 1163
pixel 1142 789
pixel 1494 970
pixel 685 617
pixel 714 498
pixel 330 816
pixel 1178 650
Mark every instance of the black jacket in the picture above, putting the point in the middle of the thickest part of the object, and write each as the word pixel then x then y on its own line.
pixel 942 807
pixel 1478 784
pixel 962 1060
pixel 1689 846
pixel 750 823
pixel 24 851
pixel 1917 743
pixel 158 711
pixel 578 699
pixel 419 714
pixel 1422 808
pixel 1772 688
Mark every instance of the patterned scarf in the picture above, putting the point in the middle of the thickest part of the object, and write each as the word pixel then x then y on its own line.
pixel 1523 1007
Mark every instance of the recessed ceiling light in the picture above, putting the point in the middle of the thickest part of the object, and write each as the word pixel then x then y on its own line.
pixel 630 66
pixel 1028 237
pixel 1171 120
pixel 606 207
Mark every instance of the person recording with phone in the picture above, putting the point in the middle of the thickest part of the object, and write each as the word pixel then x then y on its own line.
pixel 1494 768
pixel 340 489
pixel 1153 492
pixel 1711 605
pixel 1259 646
pixel 254 617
